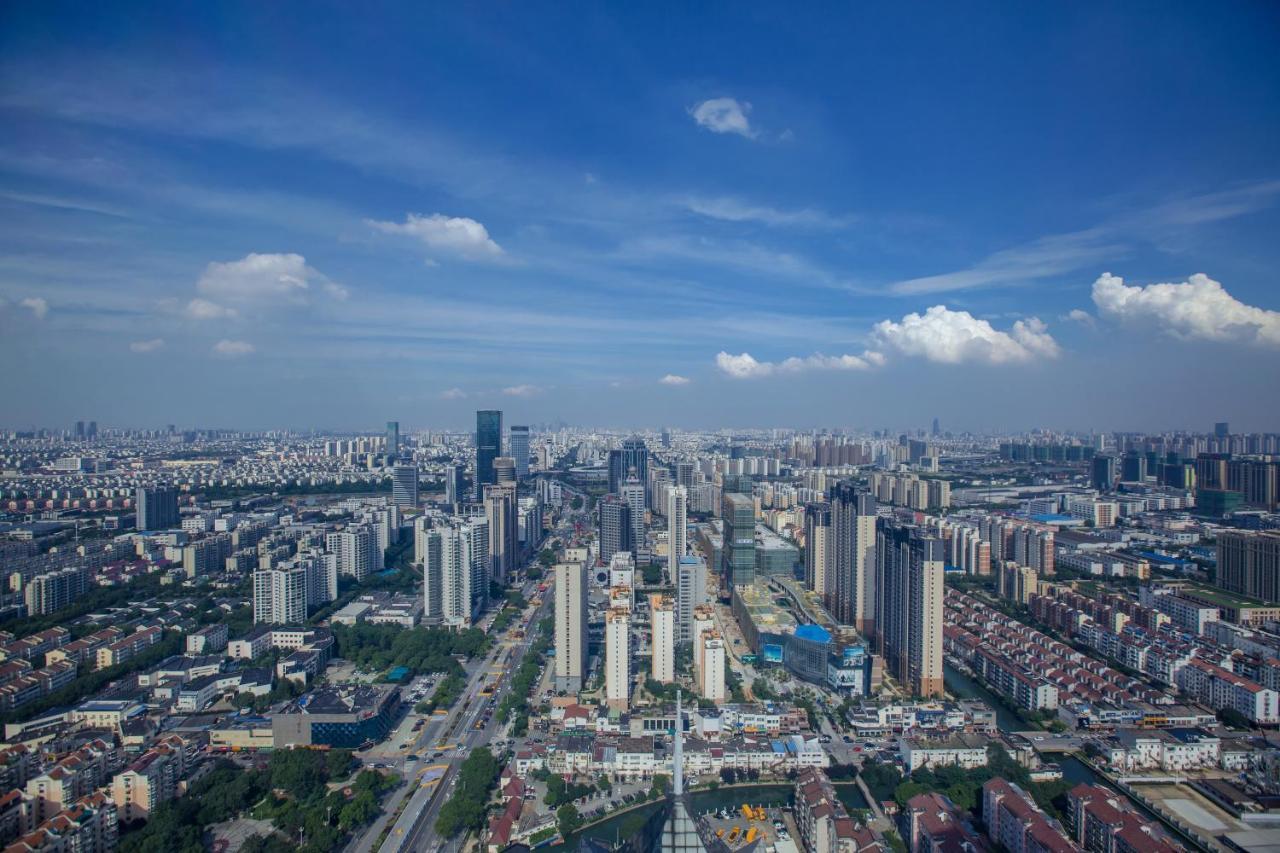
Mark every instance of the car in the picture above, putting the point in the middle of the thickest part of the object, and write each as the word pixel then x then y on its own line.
pixel 411 757
pixel 848 739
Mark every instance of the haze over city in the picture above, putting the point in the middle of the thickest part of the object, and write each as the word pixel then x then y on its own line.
pixel 640 216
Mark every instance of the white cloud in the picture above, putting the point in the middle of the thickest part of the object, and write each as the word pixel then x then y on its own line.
pixel 1197 309
pixel 521 390
pixel 203 309
pixel 1038 259
pixel 147 346
pixel 955 337
pixel 456 235
pixel 38 306
pixel 724 115
pixel 673 379
pixel 745 366
pixel 1079 315
pixel 736 210
pixel 259 278
pixel 453 394
pixel 232 349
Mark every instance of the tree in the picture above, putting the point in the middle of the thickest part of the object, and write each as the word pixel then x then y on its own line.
pixel 568 820
pixel 547 558
pixel 576 503
pixel 1233 718
pixel 661 782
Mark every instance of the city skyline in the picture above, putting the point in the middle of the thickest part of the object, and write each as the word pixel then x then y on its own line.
pixel 883 217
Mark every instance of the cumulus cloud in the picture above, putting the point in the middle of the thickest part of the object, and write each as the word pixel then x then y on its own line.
pixel 260 278
pixel 455 235
pixel 1196 309
pixel 746 366
pixel 724 115
pixel 203 309
pixel 147 346
pixel 1079 315
pixel 955 337
pixel 232 349
pixel 37 306
pixel 521 390
pixel 453 394
pixel 673 379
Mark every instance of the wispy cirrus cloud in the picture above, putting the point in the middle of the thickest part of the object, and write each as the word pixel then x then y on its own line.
pixel 522 391
pixel 227 348
pixel 151 345
pixel 36 305
pixel 729 209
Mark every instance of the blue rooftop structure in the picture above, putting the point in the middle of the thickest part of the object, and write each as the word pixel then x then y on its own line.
pixel 813 633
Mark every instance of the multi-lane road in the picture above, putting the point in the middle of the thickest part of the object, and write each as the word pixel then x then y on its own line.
pixel 464 729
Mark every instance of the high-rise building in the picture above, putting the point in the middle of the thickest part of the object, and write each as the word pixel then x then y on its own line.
pixel 909 597
pixel 393 439
pixel 691 592
pixel 818 549
pixel 504 470
pixel 1104 473
pixel 852 596
pixel 1221 429
pixel 488 448
pixel 1249 563
pixel 617 658
pixel 677 527
pixel 404 485
pixel 79 430
pixel 456 562
pixel 280 595
pixel 92 432
pixel 631 460
pixel 1133 467
pixel 738 554
pixel 710 669
pixel 322 577
pixel 504 530
pixel 663 612
pixel 429 551
pixel 455 485
pixel 684 474
pixel 519 450
pixel 615 527
pixel 52 591
pixel 157 507
pixel 571 626
pixel 937 428
pixel 633 493
pixel 357 551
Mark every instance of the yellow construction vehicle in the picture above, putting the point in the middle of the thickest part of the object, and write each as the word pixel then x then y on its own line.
pixel 733 834
pixel 752 832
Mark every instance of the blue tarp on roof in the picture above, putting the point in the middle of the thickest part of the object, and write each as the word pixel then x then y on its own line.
pixel 813 633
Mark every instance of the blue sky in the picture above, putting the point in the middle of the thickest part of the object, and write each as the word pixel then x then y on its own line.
pixel 295 215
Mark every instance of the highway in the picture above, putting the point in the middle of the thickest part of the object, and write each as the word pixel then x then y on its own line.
pixel 415 829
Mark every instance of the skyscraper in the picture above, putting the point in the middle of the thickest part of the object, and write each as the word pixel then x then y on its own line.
pixel 504 470
pixel 519 450
pixel 1249 563
pixel 817 548
pixel 404 484
pixel 1221 429
pixel 615 527
pixel 455 485
pixel 937 428
pixel 79 430
pixel 853 541
pixel 617 658
pixel 738 554
pixel 1103 473
pixel 632 460
pixel 504 531
pixel 488 448
pixel 393 439
pixel 633 493
pixel 663 612
pixel 691 592
pixel 92 432
pixel 684 474
pixel 157 507
pixel 571 626
pixel 909 597
pixel 677 527
pixel 457 555
pixel 356 549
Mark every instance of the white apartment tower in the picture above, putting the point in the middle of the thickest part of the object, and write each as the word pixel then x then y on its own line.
pixel 663 617
pixel 571 626
pixel 617 654
pixel 711 682
pixel 457 564
pixel 280 595
pixel 677 527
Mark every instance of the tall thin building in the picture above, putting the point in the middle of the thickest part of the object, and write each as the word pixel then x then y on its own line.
pixel 504 531
pixel 663 612
pixel 519 450
pixel 684 474
pixel 404 485
pixel 909 596
pixel 677 528
pixel 157 507
pixel 455 485
pixel 633 493
pixel 357 551
pixel 617 655
pixel 571 626
pixel 429 551
pixel 817 548
pixel 457 555
pixel 488 448
pixel 393 439
pixel 852 594
pixel 632 460
pixel 738 554
pixel 1103 473
pixel 615 527
pixel 691 593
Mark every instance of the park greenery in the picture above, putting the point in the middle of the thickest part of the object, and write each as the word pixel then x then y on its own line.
pixel 293 792
pixel 465 810
pixel 445 694
pixel 422 650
